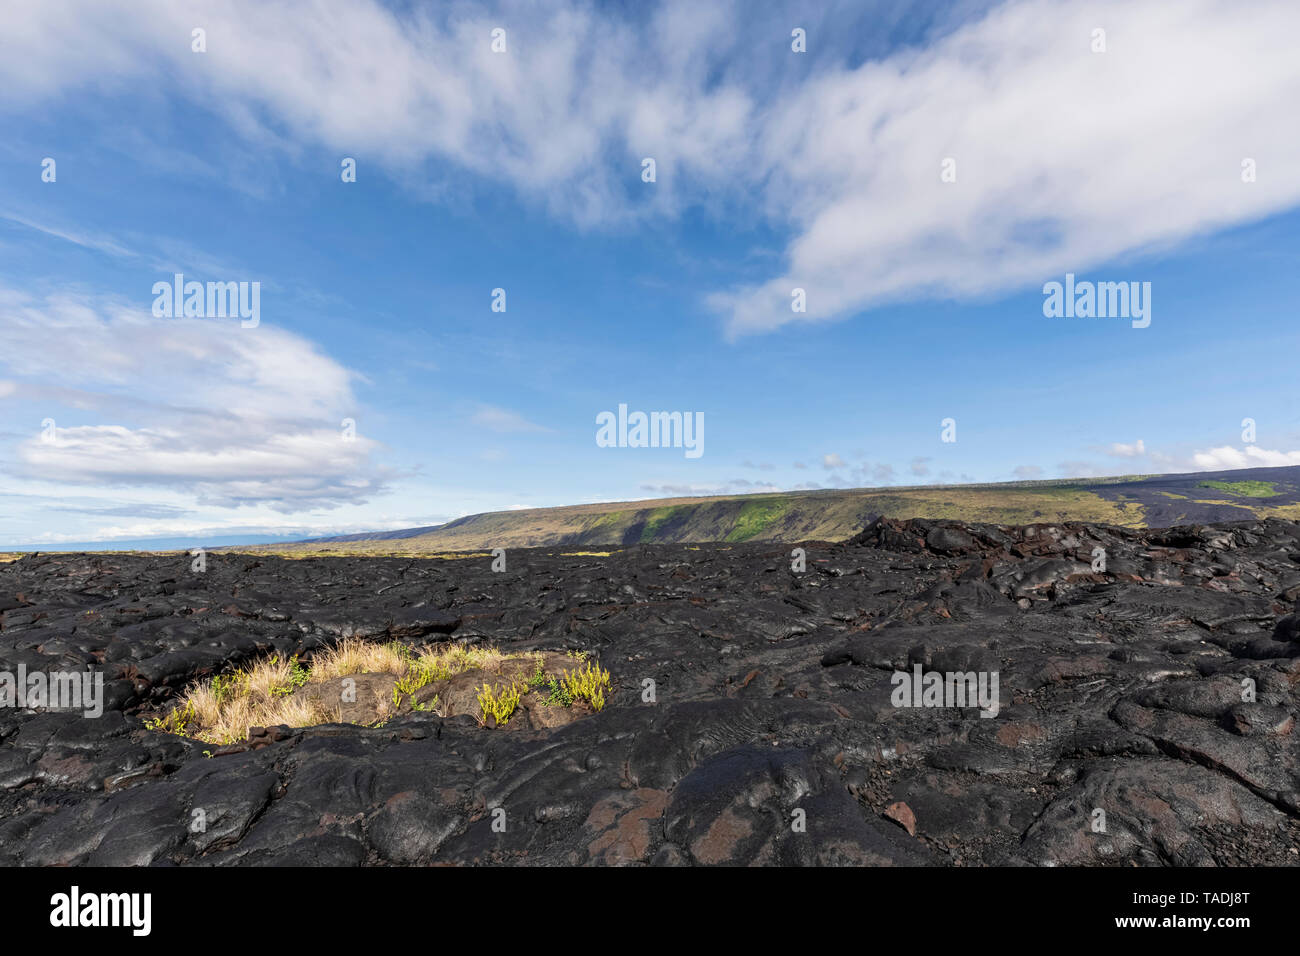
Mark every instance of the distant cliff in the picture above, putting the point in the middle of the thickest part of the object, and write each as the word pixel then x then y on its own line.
pixel 834 515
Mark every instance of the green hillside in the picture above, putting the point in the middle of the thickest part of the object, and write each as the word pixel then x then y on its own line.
pixel 1132 501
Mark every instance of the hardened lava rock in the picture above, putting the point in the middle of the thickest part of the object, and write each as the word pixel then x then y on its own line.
pixel 1145 708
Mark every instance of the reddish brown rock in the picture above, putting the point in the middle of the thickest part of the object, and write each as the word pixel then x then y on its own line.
pixel 902 814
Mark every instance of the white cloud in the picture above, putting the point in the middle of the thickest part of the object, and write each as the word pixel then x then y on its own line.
pixel 833 461
pixel 1121 450
pixel 212 364
pixel 198 530
pixel 98 243
pixel 1226 458
pixel 229 415
pixel 733 486
pixel 1043 133
pixel 293 470
pixel 845 157
pixel 395 90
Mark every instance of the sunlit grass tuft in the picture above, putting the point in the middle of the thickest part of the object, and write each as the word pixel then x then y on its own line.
pixel 221 710
pixel 498 702
pixel 588 683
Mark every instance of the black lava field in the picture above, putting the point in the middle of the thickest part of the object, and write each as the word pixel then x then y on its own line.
pixel 1145 712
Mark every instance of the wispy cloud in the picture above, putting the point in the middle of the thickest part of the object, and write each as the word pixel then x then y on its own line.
pixel 160 252
pixel 98 243
pixel 843 156
pixel 1226 458
pixel 230 415
pixel 1122 450
pixel 733 486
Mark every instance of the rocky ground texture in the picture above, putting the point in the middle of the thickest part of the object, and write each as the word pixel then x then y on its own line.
pixel 770 736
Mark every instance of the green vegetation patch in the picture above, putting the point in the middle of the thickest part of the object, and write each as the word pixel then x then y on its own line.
pixel 660 517
pixel 1006 506
pixel 756 516
pixel 611 519
pixel 1247 489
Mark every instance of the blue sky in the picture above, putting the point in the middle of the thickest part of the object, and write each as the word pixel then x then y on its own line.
pixel 522 170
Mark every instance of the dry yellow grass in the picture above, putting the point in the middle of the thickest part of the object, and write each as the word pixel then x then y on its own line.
pixel 349 549
pixel 221 710
pixel 353 656
pixel 228 722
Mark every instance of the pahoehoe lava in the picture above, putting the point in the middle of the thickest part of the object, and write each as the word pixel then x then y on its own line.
pixel 750 719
